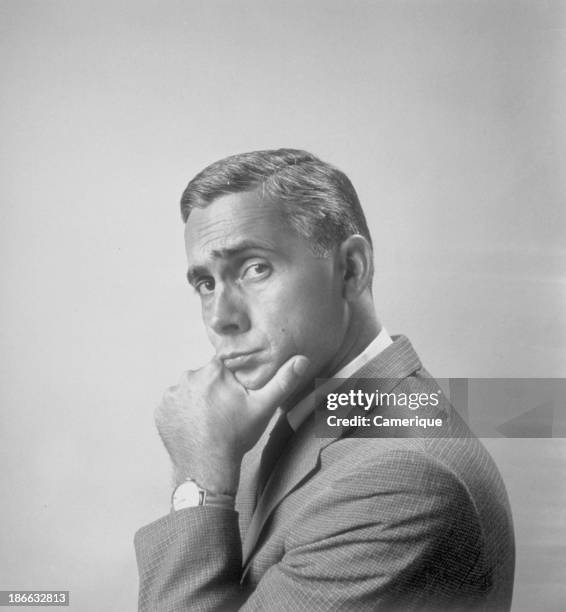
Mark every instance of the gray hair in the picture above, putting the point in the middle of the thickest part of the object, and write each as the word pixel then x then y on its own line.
pixel 317 199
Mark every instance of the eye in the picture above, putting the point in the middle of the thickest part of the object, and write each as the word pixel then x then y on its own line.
pixel 205 286
pixel 257 270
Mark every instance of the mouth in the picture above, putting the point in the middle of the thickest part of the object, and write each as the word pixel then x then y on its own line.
pixel 236 361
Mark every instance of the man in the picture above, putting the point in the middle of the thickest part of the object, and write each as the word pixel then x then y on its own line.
pixel 267 514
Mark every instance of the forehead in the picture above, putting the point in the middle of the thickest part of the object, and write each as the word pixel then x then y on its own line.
pixel 234 220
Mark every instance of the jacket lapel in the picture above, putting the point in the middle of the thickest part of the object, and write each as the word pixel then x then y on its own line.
pixel 300 460
pixel 249 473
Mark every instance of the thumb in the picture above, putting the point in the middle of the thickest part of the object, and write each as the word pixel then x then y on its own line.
pixel 283 383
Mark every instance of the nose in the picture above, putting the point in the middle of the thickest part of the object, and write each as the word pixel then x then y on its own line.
pixel 227 313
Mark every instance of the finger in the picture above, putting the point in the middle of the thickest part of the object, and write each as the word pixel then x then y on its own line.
pixel 282 384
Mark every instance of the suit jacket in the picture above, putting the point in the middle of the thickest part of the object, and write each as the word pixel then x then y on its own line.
pixel 346 523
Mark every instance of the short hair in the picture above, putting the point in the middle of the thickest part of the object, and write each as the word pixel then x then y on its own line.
pixel 319 201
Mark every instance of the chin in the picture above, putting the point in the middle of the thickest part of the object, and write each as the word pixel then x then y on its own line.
pixel 253 379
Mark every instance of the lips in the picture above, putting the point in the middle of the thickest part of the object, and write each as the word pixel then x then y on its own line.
pixel 235 361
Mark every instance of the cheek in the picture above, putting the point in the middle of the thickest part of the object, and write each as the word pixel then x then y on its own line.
pixel 283 336
pixel 282 331
pixel 310 328
pixel 320 308
pixel 303 313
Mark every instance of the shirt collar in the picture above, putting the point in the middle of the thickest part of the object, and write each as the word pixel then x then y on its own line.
pixel 298 415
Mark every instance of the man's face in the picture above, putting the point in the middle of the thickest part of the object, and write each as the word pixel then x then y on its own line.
pixel 264 295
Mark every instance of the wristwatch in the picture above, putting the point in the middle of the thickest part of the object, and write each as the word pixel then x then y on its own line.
pixel 190 495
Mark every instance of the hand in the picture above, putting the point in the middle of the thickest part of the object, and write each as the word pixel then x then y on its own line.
pixel 209 420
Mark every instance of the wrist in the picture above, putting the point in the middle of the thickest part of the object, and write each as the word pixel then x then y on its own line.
pixel 219 479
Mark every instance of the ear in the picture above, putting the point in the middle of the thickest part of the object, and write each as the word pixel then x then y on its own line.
pixel 356 259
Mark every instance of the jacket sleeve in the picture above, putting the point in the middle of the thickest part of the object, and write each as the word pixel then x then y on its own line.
pixel 190 560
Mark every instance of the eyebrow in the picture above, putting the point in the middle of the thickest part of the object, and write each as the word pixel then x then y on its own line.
pixel 231 251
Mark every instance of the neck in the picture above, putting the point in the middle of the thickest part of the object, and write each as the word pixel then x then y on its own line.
pixel 358 336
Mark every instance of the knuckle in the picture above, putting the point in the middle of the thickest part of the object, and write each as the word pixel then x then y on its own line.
pixel 213 367
pixel 158 414
pixel 186 377
pixel 210 374
pixel 170 391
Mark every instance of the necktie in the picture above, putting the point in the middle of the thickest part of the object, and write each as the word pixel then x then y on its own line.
pixel 278 439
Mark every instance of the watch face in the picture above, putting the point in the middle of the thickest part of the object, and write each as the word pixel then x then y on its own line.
pixel 187 495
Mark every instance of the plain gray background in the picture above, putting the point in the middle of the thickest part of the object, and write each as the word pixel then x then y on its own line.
pixel 448 116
